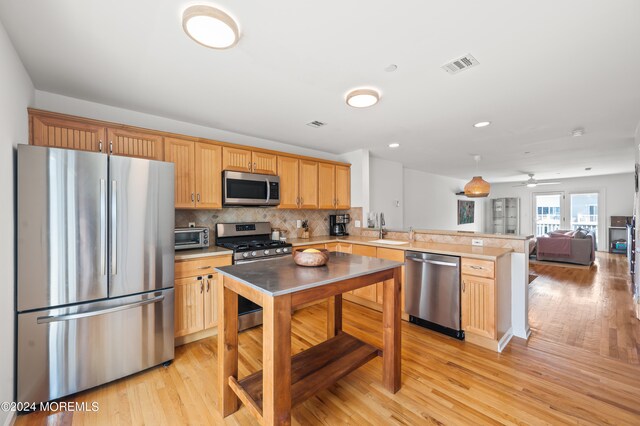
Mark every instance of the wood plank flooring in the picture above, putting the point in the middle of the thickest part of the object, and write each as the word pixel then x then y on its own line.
pixel 580 366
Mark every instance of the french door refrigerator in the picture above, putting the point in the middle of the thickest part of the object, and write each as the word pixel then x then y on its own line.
pixel 95 265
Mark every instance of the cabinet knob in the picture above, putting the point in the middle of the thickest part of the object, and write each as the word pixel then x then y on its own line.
pixel 255 166
pixel 192 197
pixel 110 147
pixel 198 197
pixel 100 146
pixel 249 166
pixel 463 286
pixel 201 287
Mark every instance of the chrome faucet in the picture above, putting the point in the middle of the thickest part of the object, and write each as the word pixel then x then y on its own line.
pixel 382 223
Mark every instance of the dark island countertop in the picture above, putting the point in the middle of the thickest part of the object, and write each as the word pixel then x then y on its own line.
pixel 282 276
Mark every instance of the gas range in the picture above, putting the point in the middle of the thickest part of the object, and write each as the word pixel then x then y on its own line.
pixel 250 241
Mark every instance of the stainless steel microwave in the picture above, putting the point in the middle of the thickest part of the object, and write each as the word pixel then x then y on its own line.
pixel 250 189
pixel 191 238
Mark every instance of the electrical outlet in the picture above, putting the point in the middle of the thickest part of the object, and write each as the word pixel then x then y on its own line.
pixel 357 224
pixel 478 243
pixel 298 224
pixel 192 224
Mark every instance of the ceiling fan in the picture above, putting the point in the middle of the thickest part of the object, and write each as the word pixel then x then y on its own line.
pixel 532 182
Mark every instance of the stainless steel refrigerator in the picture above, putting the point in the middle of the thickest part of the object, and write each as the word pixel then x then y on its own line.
pixel 95 256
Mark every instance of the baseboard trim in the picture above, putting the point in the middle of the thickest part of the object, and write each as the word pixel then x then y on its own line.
pixel 11 419
pixel 198 335
pixel 506 338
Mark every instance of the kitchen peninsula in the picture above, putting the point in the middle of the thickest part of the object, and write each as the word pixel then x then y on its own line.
pixel 279 286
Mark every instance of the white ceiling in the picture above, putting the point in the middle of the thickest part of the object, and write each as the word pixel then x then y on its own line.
pixel 546 67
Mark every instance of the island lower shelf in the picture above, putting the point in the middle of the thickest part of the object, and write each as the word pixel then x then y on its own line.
pixel 312 370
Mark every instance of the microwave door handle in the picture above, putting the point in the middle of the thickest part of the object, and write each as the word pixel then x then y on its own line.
pixel 268 190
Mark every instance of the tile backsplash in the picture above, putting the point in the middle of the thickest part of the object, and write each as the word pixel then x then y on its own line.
pixel 283 219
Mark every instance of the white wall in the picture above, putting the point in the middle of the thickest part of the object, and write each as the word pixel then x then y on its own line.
pixel 16 94
pixel 616 198
pixel 359 160
pixel 430 202
pixel 386 191
pixel 63 104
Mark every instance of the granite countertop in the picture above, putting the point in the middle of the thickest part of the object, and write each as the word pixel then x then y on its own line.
pixel 202 252
pixel 282 276
pixel 486 253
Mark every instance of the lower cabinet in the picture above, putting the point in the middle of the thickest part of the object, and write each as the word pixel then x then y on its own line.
pixel 485 302
pixel 370 292
pixel 196 294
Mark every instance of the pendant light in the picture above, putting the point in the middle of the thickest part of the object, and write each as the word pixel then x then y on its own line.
pixel 477 187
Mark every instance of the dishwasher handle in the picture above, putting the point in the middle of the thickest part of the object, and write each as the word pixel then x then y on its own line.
pixel 433 262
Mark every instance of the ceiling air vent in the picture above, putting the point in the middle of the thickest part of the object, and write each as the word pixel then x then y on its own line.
pixel 316 124
pixel 460 64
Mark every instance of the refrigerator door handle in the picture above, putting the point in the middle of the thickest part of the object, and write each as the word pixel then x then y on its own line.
pixel 103 227
pixel 114 227
pixel 69 317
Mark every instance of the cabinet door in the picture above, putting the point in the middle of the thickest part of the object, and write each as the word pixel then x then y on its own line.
pixel 208 176
pixel 264 163
pixel 189 305
pixel 182 154
pixel 308 184
pixel 210 298
pixel 326 186
pixel 236 159
pixel 59 133
pixel 398 256
pixel 478 306
pixel 343 187
pixel 289 172
pixel 135 144
pixel 369 292
pixel 338 247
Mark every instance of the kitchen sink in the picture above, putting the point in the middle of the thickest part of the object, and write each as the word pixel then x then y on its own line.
pixel 392 242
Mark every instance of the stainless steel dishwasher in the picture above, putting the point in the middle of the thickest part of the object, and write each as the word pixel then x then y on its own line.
pixel 432 292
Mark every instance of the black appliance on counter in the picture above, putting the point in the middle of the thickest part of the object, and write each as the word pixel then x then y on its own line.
pixel 338 224
pixel 250 242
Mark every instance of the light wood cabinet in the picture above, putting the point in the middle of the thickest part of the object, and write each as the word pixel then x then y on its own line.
pixel 478 306
pixel 326 186
pixel 289 172
pixel 308 184
pixel 334 186
pixel 196 294
pixel 208 176
pixel 264 163
pixel 343 187
pixel 339 247
pixel 398 256
pixel 370 292
pixel 198 180
pixel 245 160
pixel 61 133
pixel 135 144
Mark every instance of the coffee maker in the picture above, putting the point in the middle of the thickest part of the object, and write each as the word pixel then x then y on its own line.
pixel 338 224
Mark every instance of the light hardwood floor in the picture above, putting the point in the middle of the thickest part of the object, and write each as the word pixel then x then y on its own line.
pixel 579 366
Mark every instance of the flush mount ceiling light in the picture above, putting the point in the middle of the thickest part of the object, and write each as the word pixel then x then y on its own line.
pixel 394 145
pixel 210 27
pixel 477 187
pixel 482 124
pixel 363 98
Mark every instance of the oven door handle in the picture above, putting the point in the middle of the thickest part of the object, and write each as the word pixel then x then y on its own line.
pixel 268 190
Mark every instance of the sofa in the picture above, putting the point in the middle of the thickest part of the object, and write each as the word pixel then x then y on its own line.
pixel 577 247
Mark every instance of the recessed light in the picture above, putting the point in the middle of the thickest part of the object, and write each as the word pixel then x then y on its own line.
pixel 587 168
pixel 210 27
pixel 394 145
pixel 482 124
pixel 363 98
pixel 577 132
pixel 391 68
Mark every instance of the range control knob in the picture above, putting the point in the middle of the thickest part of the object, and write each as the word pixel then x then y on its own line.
pixel 245 254
pixel 253 253
pixel 286 249
pixel 278 250
pixel 266 252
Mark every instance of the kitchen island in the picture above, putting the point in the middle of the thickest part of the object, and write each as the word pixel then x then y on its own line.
pixel 279 286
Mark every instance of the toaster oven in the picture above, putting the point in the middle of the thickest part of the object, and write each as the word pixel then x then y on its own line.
pixel 190 238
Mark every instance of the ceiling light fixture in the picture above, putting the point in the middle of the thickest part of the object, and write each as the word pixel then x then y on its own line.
pixel 477 187
pixel 394 145
pixel 391 68
pixel 577 132
pixel 210 27
pixel 363 98
pixel 482 124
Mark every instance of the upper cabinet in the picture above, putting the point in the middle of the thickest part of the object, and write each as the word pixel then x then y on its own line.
pixel 308 184
pixel 334 186
pixel 135 144
pixel 289 172
pixel 197 173
pixel 62 133
pixel 244 160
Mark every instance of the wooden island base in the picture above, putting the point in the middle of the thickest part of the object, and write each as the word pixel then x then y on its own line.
pixel 288 380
